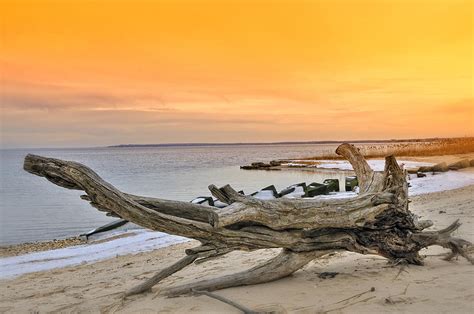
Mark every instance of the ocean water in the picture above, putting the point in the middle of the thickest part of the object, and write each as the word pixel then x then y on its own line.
pixel 33 209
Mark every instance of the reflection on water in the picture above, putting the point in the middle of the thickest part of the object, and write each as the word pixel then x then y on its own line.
pixel 34 209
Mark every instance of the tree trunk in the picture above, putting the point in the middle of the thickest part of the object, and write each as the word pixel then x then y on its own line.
pixel 377 221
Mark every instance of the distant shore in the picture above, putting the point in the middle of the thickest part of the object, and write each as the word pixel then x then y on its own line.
pixel 411 140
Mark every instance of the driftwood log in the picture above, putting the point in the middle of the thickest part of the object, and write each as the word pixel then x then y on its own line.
pixel 377 221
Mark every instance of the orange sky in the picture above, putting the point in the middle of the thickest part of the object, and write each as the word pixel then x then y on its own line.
pixel 86 73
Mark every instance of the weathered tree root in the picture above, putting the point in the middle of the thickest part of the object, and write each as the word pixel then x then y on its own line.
pixel 443 238
pixel 201 253
pixel 168 271
pixel 282 265
pixel 377 221
pixel 244 309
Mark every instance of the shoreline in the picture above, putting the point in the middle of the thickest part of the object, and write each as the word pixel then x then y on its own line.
pixel 30 247
pixel 314 162
pixel 438 286
pixel 373 141
pixel 41 246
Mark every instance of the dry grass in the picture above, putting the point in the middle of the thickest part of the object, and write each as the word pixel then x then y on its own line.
pixel 435 147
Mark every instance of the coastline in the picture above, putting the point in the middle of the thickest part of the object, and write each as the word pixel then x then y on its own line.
pixel 30 247
pixel 94 285
pixel 40 246
pixel 253 157
pixel 439 286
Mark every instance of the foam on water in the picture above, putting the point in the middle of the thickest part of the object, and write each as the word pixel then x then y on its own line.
pixel 140 241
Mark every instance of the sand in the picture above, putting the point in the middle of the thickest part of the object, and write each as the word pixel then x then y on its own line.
pixel 437 287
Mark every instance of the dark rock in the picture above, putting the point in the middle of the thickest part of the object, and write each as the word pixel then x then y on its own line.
pixel 275 163
pixel 260 165
pixel 247 167
pixel 351 183
pixel 292 188
pixel 315 189
pixel 332 184
pixel 256 166
pixel 203 200
pixel 420 175
pixel 268 188
pixel 286 191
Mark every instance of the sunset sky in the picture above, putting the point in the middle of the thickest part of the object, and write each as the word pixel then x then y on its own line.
pixel 90 73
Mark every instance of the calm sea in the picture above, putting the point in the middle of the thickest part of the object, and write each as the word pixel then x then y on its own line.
pixel 33 209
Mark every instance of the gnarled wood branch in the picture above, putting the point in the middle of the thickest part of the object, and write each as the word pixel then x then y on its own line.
pixel 377 221
pixel 282 265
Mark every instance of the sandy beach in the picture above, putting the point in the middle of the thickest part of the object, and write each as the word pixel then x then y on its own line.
pixel 266 156
pixel 362 283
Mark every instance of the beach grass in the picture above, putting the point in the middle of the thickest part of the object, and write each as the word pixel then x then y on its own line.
pixel 413 148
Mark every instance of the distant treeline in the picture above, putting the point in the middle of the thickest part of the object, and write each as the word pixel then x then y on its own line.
pixel 435 139
pixel 426 147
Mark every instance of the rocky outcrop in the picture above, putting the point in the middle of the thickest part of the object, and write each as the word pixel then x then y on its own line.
pixel 256 165
pixel 263 166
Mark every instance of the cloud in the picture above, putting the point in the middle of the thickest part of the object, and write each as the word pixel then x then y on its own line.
pixel 39 114
pixel 50 97
pixel 460 107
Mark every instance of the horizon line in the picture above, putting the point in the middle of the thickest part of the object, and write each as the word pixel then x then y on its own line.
pixel 288 142
pixel 249 143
